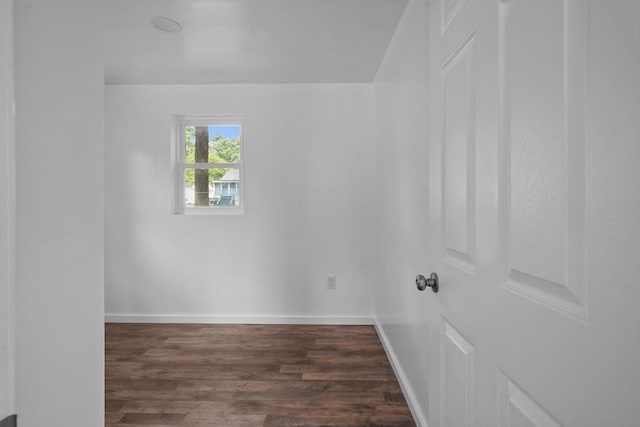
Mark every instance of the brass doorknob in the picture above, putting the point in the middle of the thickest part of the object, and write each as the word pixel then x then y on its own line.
pixel 432 282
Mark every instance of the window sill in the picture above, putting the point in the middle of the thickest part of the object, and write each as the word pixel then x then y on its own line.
pixel 212 211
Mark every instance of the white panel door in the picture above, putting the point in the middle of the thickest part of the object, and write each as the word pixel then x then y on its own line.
pixel 535 213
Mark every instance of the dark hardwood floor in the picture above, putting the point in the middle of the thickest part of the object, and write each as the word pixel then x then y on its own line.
pixel 249 375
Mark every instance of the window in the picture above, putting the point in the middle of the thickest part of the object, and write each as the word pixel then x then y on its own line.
pixel 209 165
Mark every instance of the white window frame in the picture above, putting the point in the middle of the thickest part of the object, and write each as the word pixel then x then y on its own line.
pixel 180 122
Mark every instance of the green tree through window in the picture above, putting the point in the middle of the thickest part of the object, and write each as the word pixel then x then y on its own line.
pixel 221 150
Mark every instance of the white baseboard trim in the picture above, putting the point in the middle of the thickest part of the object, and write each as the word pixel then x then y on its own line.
pixel 407 390
pixel 238 319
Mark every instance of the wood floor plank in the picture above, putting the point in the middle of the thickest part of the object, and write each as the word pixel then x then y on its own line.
pixel 249 376
pixel 161 419
pixel 332 421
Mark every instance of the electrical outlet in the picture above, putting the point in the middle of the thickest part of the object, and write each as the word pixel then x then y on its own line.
pixel 331 282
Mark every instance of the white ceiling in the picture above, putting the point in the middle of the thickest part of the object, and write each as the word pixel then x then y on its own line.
pixel 249 41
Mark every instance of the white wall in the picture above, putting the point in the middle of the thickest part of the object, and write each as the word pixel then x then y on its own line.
pixel 59 230
pixel 309 158
pixel 7 211
pixel 402 139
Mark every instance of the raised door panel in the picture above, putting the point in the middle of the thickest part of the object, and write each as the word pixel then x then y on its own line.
pixel 458 157
pixel 517 409
pixel 543 146
pixel 457 378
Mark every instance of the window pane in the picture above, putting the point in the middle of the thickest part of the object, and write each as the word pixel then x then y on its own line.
pixel 211 187
pixel 212 144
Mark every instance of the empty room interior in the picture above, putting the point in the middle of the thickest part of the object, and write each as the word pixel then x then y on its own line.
pixel 320 213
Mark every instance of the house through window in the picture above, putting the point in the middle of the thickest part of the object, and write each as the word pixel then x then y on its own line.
pixel 209 167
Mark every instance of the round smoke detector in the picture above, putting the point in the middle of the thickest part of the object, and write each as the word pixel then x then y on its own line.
pixel 164 24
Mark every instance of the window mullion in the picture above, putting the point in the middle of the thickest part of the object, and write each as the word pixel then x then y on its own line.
pixel 224 165
pixel 212 165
